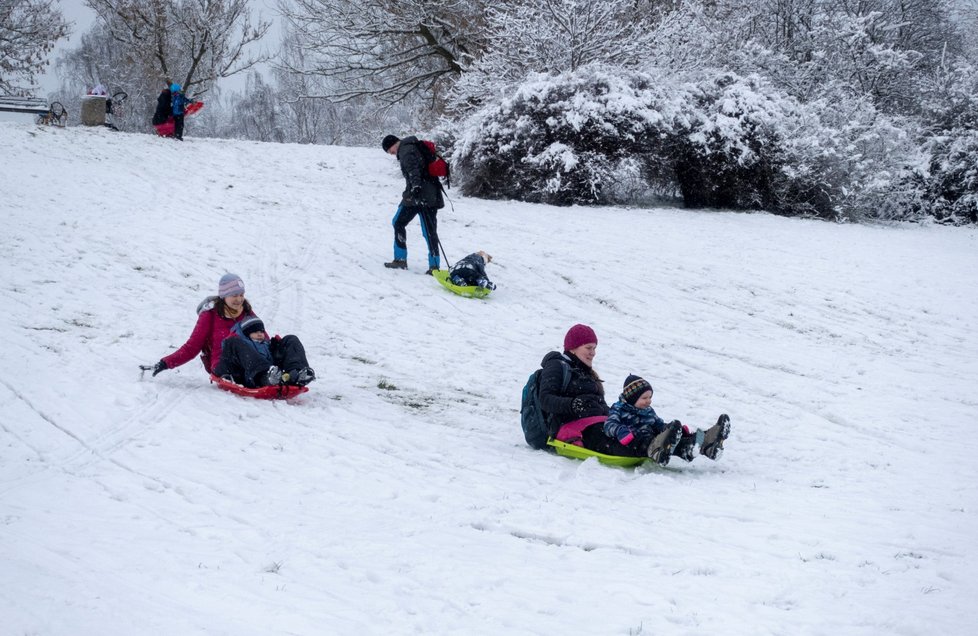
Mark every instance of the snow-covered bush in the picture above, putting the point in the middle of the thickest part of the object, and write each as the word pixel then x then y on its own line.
pixel 947 189
pixel 720 140
pixel 562 140
pixel 849 155
pixel 728 149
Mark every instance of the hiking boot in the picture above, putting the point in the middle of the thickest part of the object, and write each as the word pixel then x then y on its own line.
pixel 397 263
pixel 686 448
pixel 713 438
pixel 661 447
pixel 273 376
pixel 304 376
pixel 432 269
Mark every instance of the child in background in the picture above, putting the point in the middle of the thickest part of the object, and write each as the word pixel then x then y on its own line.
pixel 179 103
pixel 471 271
pixel 634 424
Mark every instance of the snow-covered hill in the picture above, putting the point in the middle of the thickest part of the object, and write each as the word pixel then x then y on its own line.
pixel 397 497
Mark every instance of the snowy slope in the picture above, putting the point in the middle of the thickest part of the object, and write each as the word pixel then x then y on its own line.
pixel 397 497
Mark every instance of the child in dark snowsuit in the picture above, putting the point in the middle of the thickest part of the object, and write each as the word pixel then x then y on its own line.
pixel 638 430
pixel 471 271
pixel 251 358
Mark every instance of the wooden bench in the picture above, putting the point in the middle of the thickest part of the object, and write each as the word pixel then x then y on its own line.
pixel 54 113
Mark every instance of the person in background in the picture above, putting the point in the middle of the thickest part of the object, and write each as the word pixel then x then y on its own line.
pixel 422 197
pixel 164 107
pixel 179 104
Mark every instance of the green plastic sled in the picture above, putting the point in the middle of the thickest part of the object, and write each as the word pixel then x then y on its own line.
pixel 469 291
pixel 579 452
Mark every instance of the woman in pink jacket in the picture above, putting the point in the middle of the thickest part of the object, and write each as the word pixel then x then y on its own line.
pixel 216 315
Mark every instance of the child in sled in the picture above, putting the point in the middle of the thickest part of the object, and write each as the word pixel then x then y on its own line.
pixel 634 429
pixel 249 357
pixel 471 271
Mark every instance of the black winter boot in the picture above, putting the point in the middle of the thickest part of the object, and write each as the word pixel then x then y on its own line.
pixel 686 448
pixel 713 438
pixel 397 263
pixel 303 376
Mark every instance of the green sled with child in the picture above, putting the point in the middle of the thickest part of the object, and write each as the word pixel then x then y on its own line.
pixel 467 277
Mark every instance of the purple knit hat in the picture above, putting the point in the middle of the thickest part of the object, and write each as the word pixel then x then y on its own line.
pixel 579 335
pixel 230 285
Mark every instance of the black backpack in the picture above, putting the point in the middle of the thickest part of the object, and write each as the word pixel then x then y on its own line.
pixel 532 417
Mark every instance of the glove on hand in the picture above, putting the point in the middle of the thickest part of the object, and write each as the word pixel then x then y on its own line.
pixel 417 196
pixel 625 437
pixel 159 366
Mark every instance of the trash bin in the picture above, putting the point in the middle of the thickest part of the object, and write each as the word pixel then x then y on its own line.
pixel 93 110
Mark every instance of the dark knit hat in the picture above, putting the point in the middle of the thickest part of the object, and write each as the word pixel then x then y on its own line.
pixel 389 141
pixel 634 388
pixel 579 335
pixel 251 324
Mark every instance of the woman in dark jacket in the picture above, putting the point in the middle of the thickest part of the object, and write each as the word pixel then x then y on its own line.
pixel 164 107
pixel 576 411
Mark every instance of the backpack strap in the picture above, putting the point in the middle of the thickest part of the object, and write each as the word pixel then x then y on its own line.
pixel 564 383
pixel 565 365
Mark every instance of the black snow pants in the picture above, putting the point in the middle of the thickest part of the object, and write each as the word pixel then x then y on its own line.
pixel 240 360
pixel 178 127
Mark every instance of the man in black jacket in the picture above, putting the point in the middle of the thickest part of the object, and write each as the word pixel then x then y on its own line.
pixel 422 198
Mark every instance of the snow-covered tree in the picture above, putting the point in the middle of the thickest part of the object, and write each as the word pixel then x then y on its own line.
pixel 256 113
pixel 949 190
pixel 100 59
pixel 312 118
pixel 881 48
pixel 557 36
pixel 390 50
pixel 29 30
pixel 191 42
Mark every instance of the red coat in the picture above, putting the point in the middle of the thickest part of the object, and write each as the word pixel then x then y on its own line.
pixel 208 334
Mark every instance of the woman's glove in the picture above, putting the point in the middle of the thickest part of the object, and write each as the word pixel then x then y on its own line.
pixel 159 366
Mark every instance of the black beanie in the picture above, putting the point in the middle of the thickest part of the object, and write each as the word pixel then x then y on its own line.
pixel 389 141
pixel 251 325
pixel 634 388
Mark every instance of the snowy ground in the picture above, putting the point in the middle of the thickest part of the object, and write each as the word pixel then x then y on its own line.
pixel 397 497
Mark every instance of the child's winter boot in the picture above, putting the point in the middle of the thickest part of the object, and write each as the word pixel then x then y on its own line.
pixel 713 438
pixel 688 443
pixel 662 446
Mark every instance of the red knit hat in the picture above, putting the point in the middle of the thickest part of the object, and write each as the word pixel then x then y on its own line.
pixel 579 335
